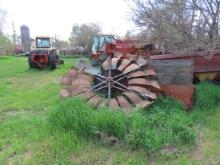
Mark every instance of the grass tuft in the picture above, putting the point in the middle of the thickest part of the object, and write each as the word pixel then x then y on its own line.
pixel 164 123
pixel 207 97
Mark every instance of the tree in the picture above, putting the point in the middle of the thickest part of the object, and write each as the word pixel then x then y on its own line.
pixel 81 35
pixel 178 24
pixel 60 44
pixel 128 35
pixel 6 47
pixel 2 20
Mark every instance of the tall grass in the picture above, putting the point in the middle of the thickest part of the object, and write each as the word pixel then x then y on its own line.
pixel 206 101
pixel 162 124
pixel 83 120
pixel 207 97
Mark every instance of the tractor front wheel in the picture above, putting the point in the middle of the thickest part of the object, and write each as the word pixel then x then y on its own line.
pixel 53 61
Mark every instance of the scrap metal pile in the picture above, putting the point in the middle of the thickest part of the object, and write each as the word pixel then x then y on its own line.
pixel 124 74
pixel 119 83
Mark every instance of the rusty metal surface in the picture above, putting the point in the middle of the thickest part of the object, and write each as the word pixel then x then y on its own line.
pixel 64 93
pixel 73 90
pixel 81 65
pixel 130 68
pixel 124 64
pixel 73 73
pixel 114 104
pixel 141 62
pixel 81 82
pixel 130 79
pixel 143 91
pixel 173 71
pixel 66 80
pixel 138 81
pixel 144 104
pixel 87 95
pixel 114 64
pixel 95 101
pixel 151 72
pixel 84 77
pixel 135 99
pixel 105 65
pixel 92 70
pixel 151 95
pixel 183 93
pixel 202 61
pixel 136 74
pixel 123 102
pixel 153 84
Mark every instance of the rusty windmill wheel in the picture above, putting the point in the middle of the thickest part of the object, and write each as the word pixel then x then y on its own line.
pixel 119 83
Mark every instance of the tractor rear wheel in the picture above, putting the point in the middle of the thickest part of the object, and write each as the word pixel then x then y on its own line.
pixel 53 61
pixel 30 62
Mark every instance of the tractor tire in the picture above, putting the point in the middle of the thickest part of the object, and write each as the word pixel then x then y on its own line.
pixel 30 62
pixel 53 62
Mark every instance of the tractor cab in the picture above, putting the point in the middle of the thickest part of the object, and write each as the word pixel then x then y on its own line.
pixel 45 43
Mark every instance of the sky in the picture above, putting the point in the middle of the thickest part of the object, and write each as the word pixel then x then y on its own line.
pixel 50 17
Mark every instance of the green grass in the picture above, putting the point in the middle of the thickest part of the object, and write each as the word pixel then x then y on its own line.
pixel 24 88
pixel 37 128
pixel 163 124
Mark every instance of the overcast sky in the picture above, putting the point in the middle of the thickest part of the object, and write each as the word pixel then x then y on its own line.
pixel 50 17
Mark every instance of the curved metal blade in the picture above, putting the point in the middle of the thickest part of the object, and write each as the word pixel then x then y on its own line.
pixel 95 101
pixel 81 82
pixel 143 82
pixel 123 102
pixel 136 74
pixel 144 104
pixel 64 93
pixel 113 104
pixel 135 99
pixel 87 95
pixel 150 72
pixel 131 68
pixel 137 81
pixel 66 80
pixel 115 60
pixel 124 64
pixel 73 73
pixel 143 92
pixel 77 90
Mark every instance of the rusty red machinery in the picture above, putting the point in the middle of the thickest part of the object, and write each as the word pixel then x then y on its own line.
pixel 206 65
pixel 44 54
pixel 125 79
pixel 120 83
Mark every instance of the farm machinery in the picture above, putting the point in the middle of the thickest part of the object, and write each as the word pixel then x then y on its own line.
pixel 124 74
pixel 44 54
